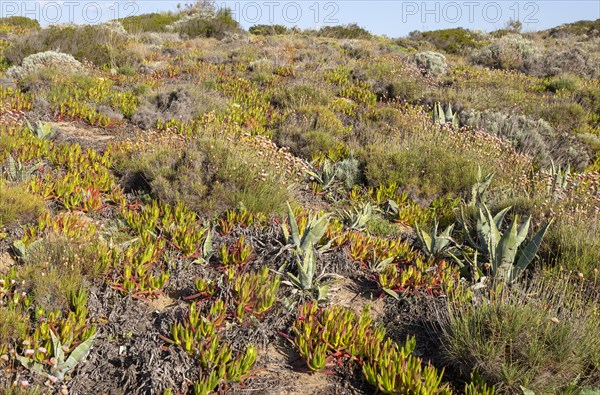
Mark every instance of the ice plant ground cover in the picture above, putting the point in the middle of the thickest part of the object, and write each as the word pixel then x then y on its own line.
pixel 298 212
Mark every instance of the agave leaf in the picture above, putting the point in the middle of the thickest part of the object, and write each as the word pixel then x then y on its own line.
pixel 293 225
pixel 424 239
pixel 314 232
pixel 12 167
pixel 529 252
pixel 449 114
pixel 207 246
pixel 20 248
pixel 506 252
pixel 499 217
pixel 294 281
pixel 526 391
pixel 391 293
pixel 444 238
pixel 31 365
pixel 76 356
pixel 306 268
pixel 322 293
pixel 57 348
pixel 379 267
pixel 523 230
pixel 589 391
pixel 466 229
pixel 488 231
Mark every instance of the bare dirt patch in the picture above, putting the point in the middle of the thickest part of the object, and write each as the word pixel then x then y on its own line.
pixel 84 135
pixel 348 294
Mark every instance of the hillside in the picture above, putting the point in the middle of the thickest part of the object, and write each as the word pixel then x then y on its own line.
pixel 190 208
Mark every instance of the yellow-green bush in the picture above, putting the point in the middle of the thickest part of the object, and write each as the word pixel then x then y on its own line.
pixel 18 206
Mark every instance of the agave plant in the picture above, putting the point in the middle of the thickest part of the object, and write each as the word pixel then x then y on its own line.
pixel 305 253
pixel 63 365
pixel 312 234
pixel 480 188
pixel 435 245
pixel 559 179
pixel 505 259
pixel 15 171
pixel 306 266
pixel 41 130
pixel 440 117
pixel 357 218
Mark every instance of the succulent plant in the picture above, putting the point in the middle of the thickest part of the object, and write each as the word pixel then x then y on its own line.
pixel 501 249
pixel 440 117
pixel 435 245
pixel 357 218
pixel 62 365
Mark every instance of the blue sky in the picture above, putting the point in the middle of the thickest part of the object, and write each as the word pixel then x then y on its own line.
pixel 393 17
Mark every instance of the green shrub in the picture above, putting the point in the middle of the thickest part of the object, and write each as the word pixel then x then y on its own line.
pixel 454 41
pixel 18 205
pixel 200 25
pixel 13 325
pixel 208 176
pixel 44 60
pixel 21 21
pixel 566 117
pixel 579 28
pixel 424 168
pixel 268 30
pixel 105 44
pixel 153 22
pixel 300 95
pixel 350 31
pixel 58 260
pixel 563 82
pixel 401 88
pixel 510 52
pixel 542 336
pixel 573 244
pixel 430 62
pixel 572 56
pixel 536 138
pixel 311 130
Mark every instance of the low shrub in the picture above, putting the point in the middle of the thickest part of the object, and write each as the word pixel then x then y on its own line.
pixel 453 41
pixel 536 138
pixel 66 264
pixel 103 45
pixel 268 30
pixel 300 95
pixel 562 83
pixel 201 25
pixel 425 169
pixel 208 175
pixel 573 244
pixel 573 57
pixel 510 52
pixel 311 130
pixel 541 336
pixel 153 22
pixel 352 31
pixel 579 28
pixel 564 116
pixel 20 21
pixel 430 62
pixel 44 60
pixel 18 205
pixel 182 103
